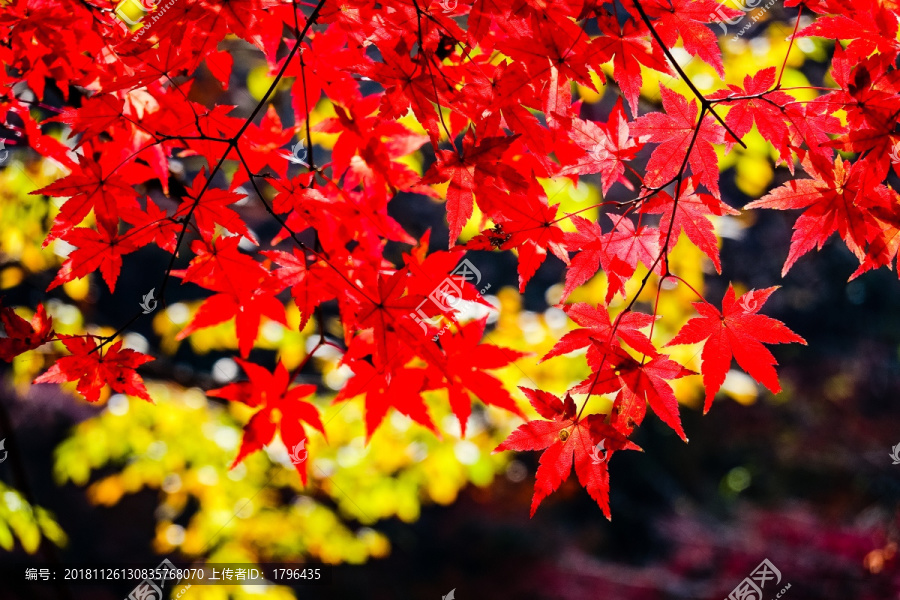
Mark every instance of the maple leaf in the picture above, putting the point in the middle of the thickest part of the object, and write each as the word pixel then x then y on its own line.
pixel 527 223
pixel 152 225
pixel 43 144
pixel 597 332
pixel 246 291
pixel 883 249
pixel 165 58
pixel 629 47
pixel 94 249
pixel 400 389
pixel 260 144
pixel 647 380
pixel 686 19
pixel 673 131
pixel 870 98
pixel 365 150
pixel 608 146
pixel 466 369
pixel 408 85
pixel 308 282
pixel 872 26
pixel 836 200
pixel 689 215
pixel 20 335
pixel 467 174
pixel 765 111
pixel 94 116
pixel 566 438
pixel 737 332
pixel 209 207
pixel 281 408
pixel 95 368
pixel 94 187
pixel 386 309
pixel 617 252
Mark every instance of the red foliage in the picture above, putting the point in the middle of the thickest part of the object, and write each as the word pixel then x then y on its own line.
pixel 496 103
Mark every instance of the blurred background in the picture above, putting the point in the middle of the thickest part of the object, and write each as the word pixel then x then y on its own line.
pixel 804 479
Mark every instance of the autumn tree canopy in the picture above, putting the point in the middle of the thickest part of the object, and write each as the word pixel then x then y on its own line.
pixel 477 107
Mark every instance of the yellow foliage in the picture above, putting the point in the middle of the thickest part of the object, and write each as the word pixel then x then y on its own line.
pixel 20 520
pixel 183 445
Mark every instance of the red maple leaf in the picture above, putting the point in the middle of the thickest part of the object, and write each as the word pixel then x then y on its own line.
pixel 95 368
pixel 468 173
pixel 566 438
pixel 607 145
pixel 246 291
pixel 597 332
pixel 209 207
pixel 399 388
pixel 629 47
pixel 839 198
pixel 766 112
pixel 689 215
pixel 647 380
pixel 281 407
pixel 687 19
pixel 617 252
pixel 673 131
pixel 737 332
pixel 96 186
pixel 465 371
pixel 21 335
pixel 94 116
pixel 527 223
pixel 94 249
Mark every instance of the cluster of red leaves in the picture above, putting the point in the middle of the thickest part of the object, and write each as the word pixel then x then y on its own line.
pixel 495 102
